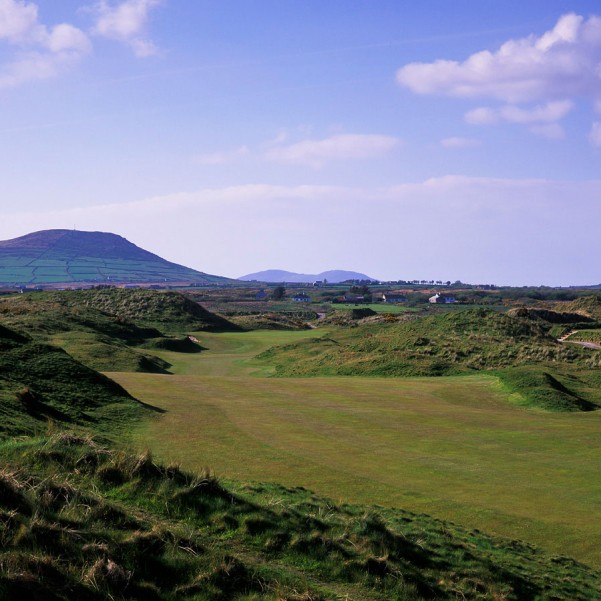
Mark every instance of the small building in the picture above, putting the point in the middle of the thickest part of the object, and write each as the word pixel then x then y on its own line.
pixel 301 297
pixel 353 298
pixel 394 298
pixel 439 299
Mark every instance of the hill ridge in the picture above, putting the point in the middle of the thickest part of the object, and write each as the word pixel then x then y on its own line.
pixel 334 276
pixel 61 256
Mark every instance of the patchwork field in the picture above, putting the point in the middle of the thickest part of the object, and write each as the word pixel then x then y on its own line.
pixel 454 447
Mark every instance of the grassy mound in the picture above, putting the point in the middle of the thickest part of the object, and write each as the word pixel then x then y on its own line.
pixel 48 313
pixel 177 345
pixel 555 317
pixel 96 339
pixel 78 521
pixel 443 344
pixel 586 305
pixel 269 321
pixel 448 343
pixel 168 311
pixel 538 388
pixel 39 382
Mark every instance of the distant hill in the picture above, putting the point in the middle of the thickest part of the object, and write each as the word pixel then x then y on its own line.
pixel 334 276
pixel 70 256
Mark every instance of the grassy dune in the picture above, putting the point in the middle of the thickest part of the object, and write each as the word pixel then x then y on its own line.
pixel 455 447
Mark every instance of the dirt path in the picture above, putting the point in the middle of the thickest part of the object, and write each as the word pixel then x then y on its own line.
pixel 586 344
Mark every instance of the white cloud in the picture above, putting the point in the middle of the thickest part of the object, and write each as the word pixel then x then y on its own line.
pixel 19 22
pixel 40 52
pixel 66 38
pixel 460 143
pixel 563 62
pixel 595 134
pixel 474 229
pixel 338 147
pixel 126 22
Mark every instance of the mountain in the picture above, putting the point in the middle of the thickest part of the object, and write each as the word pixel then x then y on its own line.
pixel 334 276
pixel 70 256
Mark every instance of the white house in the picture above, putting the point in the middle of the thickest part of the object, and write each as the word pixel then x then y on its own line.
pixel 438 299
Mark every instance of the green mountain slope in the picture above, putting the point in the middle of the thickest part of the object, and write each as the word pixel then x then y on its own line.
pixel 70 256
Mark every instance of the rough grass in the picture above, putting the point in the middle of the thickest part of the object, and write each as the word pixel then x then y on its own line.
pixel 41 383
pixel 79 521
pixel 270 321
pixel 586 305
pixel 169 311
pixel 96 326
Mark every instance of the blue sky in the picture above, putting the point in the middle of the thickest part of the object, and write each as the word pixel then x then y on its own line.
pixel 432 140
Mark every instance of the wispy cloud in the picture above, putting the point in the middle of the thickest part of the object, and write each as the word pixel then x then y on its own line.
pixel 314 153
pixel 126 22
pixel 547 113
pixel 339 147
pixel 557 66
pixel 39 52
pixel 542 119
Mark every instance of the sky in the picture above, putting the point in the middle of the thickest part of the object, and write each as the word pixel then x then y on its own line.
pixel 405 140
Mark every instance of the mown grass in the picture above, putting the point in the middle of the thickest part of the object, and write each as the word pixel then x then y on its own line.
pixel 456 447
pixel 79 521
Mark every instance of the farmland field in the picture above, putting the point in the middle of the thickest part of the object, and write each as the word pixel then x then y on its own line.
pixel 454 447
